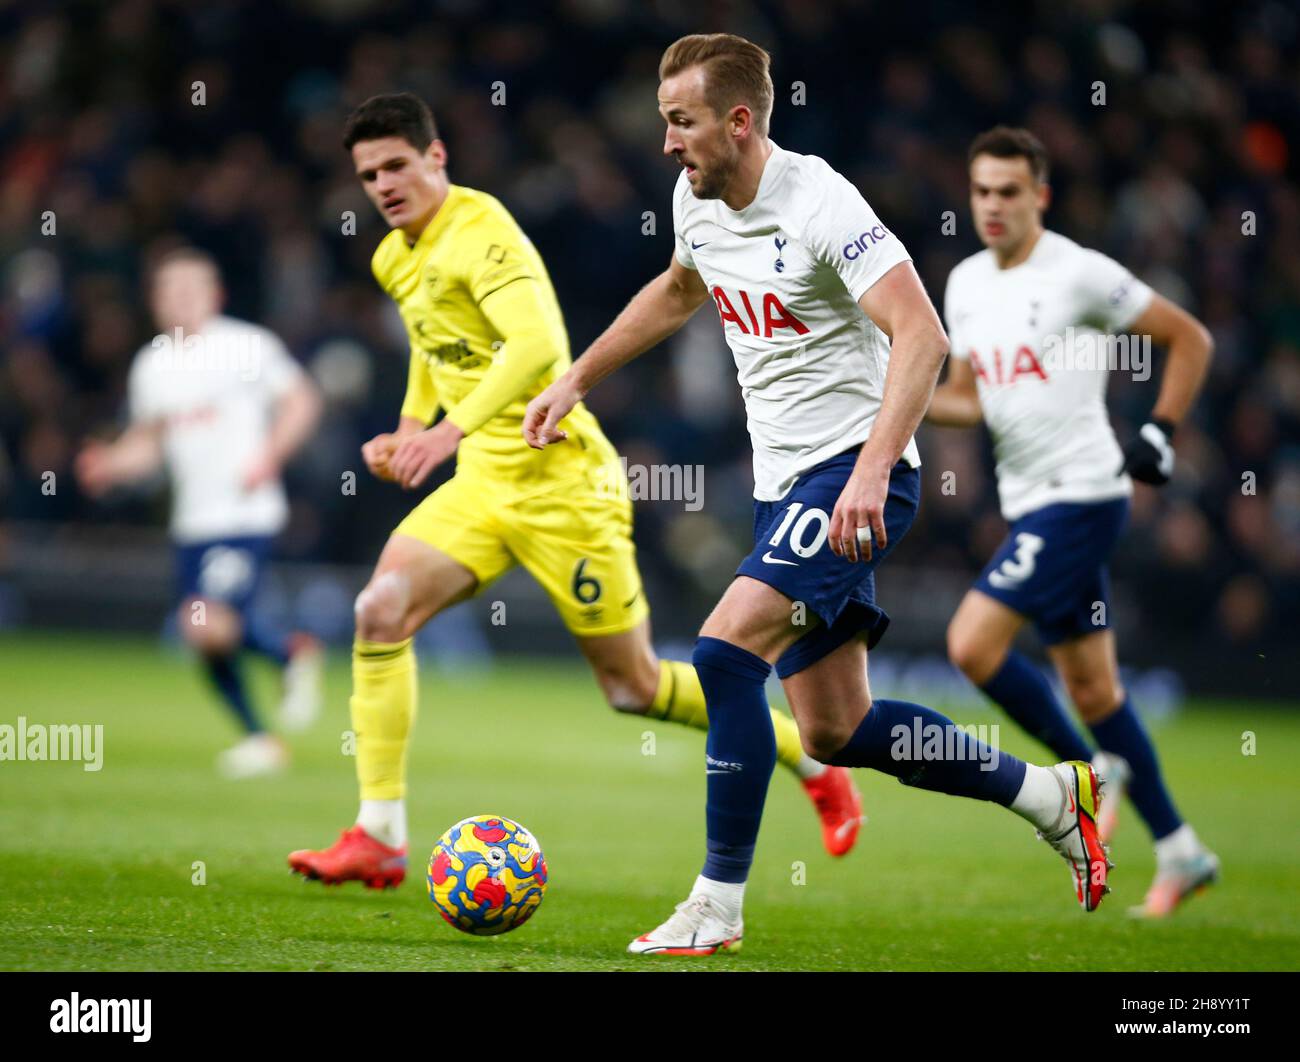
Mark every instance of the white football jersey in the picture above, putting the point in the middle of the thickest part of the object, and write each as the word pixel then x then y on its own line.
pixel 1041 337
pixel 785 274
pixel 215 393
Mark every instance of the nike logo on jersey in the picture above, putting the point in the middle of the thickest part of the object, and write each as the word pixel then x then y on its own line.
pixel 696 246
pixel 769 559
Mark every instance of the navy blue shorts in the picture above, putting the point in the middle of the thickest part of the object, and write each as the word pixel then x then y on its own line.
pixel 223 569
pixel 791 553
pixel 1052 567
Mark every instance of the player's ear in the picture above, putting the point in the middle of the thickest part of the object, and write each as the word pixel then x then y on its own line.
pixel 436 153
pixel 740 120
pixel 1044 196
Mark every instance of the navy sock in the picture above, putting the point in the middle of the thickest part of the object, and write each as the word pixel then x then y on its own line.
pixel 225 674
pixel 1122 733
pixel 1025 695
pixel 740 754
pixel 263 638
pixel 922 748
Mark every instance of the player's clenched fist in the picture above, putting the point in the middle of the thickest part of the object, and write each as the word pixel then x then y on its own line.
pixel 544 413
pixel 859 516
pixel 377 453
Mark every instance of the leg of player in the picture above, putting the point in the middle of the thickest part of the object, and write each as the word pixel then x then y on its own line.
pixel 839 724
pixel 1089 667
pixel 919 746
pixel 980 639
pixel 213 629
pixel 301 658
pixel 635 680
pixel 412 582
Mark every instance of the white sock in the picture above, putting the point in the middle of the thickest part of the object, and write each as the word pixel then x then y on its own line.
pixel 1040 799
pixel 1176 847
pixel 384 820
pixel 726 896
pixel 807 767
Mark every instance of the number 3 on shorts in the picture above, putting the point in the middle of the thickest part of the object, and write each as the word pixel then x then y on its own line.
pixel 1016 569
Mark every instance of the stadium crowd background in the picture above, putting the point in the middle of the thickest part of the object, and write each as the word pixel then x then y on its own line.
pixel 1187 173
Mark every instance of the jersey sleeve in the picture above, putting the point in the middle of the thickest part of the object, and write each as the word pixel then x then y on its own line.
pixel 533 339
pixel 682 242
pixel 956 347
pixel 494 256
pixel 1113 297
pixel 421 401
pixel 279 370
pixel 844 233
pixel 142 398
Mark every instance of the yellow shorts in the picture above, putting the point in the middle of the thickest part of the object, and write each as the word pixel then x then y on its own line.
pixel 575 539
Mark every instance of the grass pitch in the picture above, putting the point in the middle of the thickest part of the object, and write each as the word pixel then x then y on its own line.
pixel 98 869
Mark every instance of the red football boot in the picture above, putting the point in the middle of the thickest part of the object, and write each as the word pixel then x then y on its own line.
pixel 839 806
pixel 355 856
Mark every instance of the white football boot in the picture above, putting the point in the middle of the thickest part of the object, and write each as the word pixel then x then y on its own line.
pixel 696 928
pixel 300 706
pixel 1074 834
pixel 1175 882
pixel 256 755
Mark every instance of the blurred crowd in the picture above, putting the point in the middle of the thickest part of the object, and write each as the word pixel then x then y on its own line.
pixel 1173 127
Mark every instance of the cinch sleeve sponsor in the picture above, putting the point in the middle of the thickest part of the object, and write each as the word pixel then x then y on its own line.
pixel 1115 298
pixel 845 233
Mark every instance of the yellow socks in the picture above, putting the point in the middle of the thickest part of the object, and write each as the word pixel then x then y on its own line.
pixel 680 699
pixel 383 709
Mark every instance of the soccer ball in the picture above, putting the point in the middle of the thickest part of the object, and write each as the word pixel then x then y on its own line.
pixel 487 875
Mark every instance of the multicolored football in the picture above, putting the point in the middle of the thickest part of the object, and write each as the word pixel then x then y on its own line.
pixel 487 875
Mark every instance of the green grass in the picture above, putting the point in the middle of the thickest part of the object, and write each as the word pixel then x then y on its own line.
pixel 96 868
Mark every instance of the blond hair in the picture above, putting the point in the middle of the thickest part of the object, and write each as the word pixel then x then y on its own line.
pixel 736 71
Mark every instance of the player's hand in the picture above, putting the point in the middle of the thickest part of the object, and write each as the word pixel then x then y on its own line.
pixel 378 452
pixel 420 453
pixel 545 412
pixel 1150 457
pixel 264 468
pixel 93 468
pixel 859 516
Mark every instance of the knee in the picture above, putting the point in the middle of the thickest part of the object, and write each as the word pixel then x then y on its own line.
pixel 209 627
pixel 382 609
pixel 823 739
pixel 628 688
pixel 968 655
pixel 1095 696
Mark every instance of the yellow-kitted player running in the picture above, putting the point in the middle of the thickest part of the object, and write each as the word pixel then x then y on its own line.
pixel 486 337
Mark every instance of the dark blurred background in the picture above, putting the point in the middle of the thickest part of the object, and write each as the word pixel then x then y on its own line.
pixel 1187 174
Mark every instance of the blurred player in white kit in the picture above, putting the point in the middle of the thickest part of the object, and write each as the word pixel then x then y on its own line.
pixel 223 405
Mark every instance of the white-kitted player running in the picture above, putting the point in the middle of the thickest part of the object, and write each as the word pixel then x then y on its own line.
pixel 837 349
pixel 1033 321
pixel 223 405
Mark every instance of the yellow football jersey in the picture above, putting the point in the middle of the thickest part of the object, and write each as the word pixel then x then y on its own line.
pixel 443 286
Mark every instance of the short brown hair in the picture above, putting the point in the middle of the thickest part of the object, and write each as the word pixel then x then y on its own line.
pixel 1008 142
pixel 401 114
pixel 735 71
